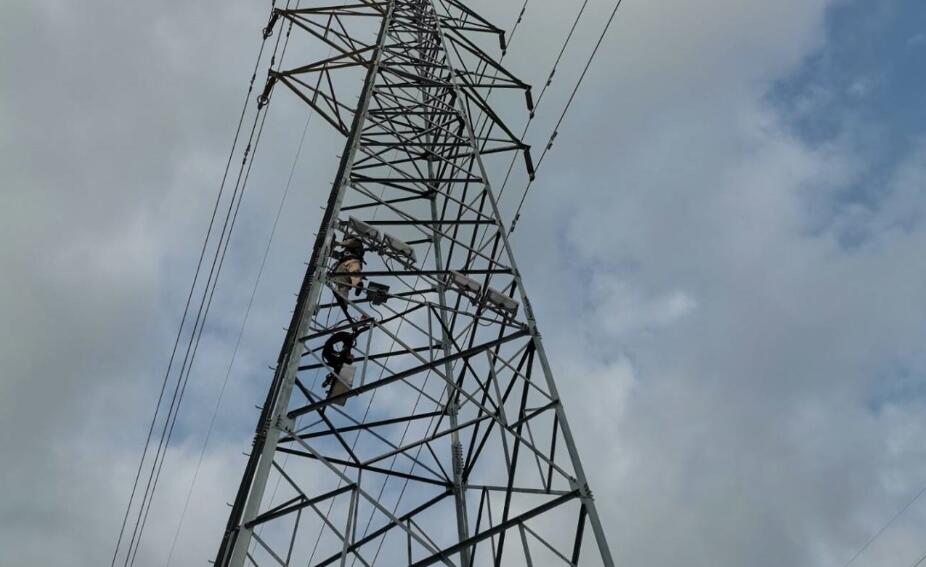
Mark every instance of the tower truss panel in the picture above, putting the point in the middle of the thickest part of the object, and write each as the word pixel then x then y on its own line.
pixel 413 418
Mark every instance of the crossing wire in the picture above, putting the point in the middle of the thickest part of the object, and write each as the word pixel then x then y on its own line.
pixel 518 21
pixel 186 308
pixel 533 114
pixel 243 183
pixel 546 85
pixel 562 115
pixel 241 329
pixel 186 367
pixel 884 528
pixel 199 323
pixel 237 346
pixel 195 349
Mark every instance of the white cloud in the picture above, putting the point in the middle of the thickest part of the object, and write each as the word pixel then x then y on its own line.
pixel 624 312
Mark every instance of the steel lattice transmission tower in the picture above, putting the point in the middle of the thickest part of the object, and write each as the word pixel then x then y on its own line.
pixel 412 418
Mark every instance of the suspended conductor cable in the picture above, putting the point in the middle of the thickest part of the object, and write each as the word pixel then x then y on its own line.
pixel 186 307
pixel 180 388
pixel 884 528
pixel 543 91
pixel 244 322
pixel 578 84
pixel 199 324
pixel 533 114
pixel 192 356
pixel 518 21
pixel 562 115
pixel 243 176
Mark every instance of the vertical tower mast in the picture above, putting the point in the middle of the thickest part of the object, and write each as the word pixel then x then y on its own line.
pixel 412 417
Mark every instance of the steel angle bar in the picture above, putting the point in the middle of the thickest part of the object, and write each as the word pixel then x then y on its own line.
pixel 496 530
pixel 370 499
pixel 404 374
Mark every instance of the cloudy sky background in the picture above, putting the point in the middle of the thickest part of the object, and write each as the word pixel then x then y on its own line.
pixel 724 249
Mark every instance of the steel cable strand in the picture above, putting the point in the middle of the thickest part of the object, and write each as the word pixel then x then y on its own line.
pixel 195 349
pixel 187 305
pixel 239 336
pixel 543 91
pixel 884 528
pixel 559 122
pixel 198 324
pixel 533 114
pixel 206 311
pixel 250 303
pixel 180 388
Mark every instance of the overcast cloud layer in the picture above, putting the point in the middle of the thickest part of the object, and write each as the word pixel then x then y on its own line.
pixel 724 249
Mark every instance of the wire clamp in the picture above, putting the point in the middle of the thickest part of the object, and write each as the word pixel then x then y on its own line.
pixel 264 97
pixel 268 30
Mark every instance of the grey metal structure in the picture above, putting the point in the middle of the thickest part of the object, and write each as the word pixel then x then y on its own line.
pixel 413 418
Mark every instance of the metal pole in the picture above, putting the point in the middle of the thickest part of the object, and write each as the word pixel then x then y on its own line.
pixel 412 152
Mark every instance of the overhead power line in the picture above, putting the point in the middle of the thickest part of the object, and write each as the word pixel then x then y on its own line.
pixel 237 346
pixel 205 302
pixel 562 115
pixel 884 528
pixel 244 173
pixel 186 308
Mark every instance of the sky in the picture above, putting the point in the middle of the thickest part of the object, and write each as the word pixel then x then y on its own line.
pixel 723 249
